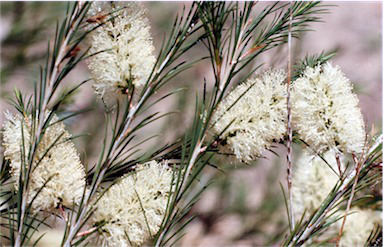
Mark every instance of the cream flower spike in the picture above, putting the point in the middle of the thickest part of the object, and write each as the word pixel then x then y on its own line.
pixel 61 163
pixel 259 117
pixel 312 181
pixel 325 111
pixel 126 42
pixel 120 209
pixel 358 226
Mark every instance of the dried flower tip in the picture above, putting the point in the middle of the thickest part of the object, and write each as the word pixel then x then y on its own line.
pixel 97 18
pixel 73 53
pixel 259 116
pixel 56 160
pixel 325 110
pixel 126 49
pixel 132 210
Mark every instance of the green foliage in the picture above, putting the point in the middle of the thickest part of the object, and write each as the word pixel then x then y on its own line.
pixel 337 199
pixel 311 61
pixel 234 37
pixel 375 238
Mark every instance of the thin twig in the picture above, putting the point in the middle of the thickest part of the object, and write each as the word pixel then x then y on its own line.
pixel 337 156
pixel 317 219
pixel 119 140
pixel 100 177
pixel 41 119
pixel 192 161
pixel 196 152
pixel 86 232
pixel 289 122
pixel 358 169
pixel 233 63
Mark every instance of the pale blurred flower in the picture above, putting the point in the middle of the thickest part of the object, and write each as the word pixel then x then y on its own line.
pixel 325 110
pixel 61 163
pixel 127 46
pixel 312 181
pixel 259 117
pixel 358 227
pixel 121 207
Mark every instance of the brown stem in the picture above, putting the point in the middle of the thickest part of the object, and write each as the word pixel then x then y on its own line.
pixel 338 163
pixel 86 232
pixel 289 125
pixel 358 169
pixel 41 120
pixel 63 213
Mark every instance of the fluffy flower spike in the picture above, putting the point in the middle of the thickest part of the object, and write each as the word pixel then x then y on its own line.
pixel 127 49
pixel 259 117
pixel 325 110
pixel 120 209
pixel 312 181
pixel 358 226
pixel 61 163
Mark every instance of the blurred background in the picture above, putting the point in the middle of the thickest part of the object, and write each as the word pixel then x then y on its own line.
pixel 244 206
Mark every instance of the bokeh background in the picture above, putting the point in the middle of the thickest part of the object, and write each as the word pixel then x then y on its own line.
pixel 244 206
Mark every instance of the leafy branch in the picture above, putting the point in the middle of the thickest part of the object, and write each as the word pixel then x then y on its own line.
pixel 122 131
pixel 354 178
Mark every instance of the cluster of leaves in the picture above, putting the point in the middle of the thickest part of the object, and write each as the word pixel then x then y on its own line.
pixel 60 60
pixel 362 174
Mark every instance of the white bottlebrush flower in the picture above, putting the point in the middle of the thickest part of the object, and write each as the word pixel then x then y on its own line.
pixel 358 226
pixel 325 110
pixel 61 163
pixel 121 208
pixel 259 117
pixel 312 181
pixel 127 46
